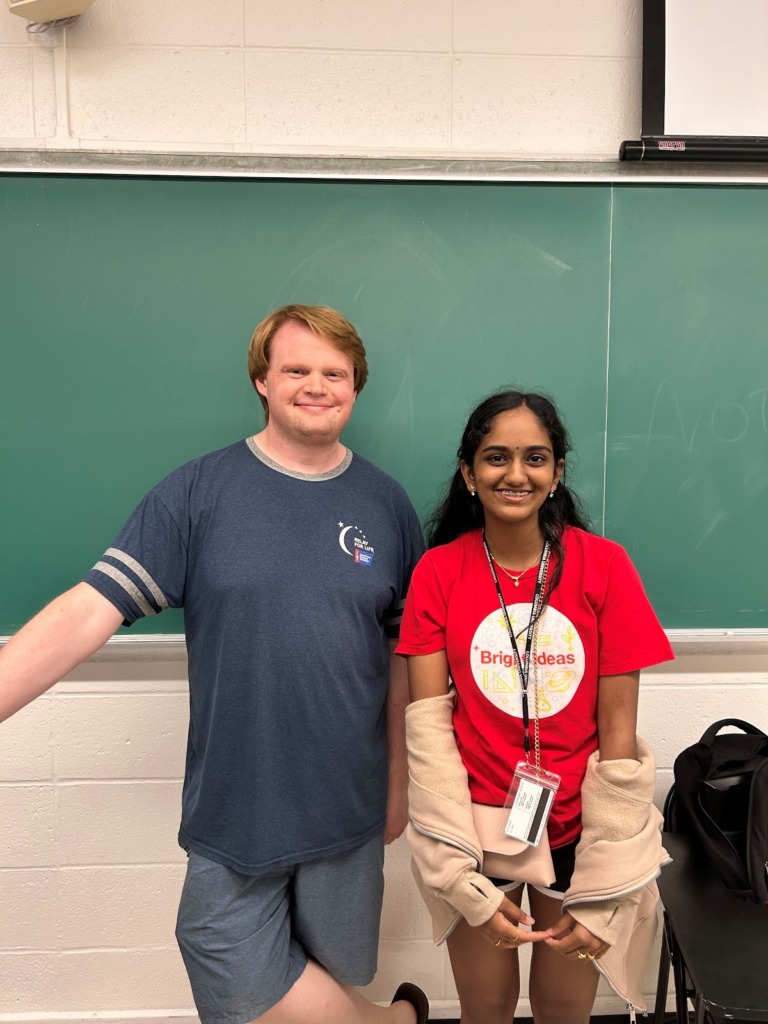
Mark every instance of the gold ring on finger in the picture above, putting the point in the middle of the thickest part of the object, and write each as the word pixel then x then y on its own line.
pixel 497 942
pixel 581 954
pixel 591 956
pixel 517 935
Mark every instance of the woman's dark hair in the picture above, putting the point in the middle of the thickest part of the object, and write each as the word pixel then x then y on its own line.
pixel 459 513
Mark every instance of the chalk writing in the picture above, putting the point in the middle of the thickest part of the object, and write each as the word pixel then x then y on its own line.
pixel 727 420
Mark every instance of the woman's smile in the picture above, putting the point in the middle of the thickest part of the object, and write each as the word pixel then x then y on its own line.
pixel 513 495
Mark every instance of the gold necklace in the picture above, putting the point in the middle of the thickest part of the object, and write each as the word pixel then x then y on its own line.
pixel 516 577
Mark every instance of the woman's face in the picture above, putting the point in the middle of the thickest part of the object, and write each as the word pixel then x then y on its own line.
pixel 514 468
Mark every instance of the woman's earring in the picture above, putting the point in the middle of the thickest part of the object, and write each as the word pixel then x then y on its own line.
pixel 471 492
pixel 552 493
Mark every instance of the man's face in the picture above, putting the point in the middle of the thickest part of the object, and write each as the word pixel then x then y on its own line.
pixel 310 386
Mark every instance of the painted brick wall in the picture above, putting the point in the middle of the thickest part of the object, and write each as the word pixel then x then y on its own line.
pixel 554 78
pixel 89 867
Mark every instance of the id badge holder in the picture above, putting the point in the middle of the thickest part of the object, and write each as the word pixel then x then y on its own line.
pixel 529 802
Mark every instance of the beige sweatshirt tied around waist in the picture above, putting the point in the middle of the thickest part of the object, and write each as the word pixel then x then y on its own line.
pixel 612 892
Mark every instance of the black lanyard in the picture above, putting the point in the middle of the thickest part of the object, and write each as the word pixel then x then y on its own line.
pixel 523 667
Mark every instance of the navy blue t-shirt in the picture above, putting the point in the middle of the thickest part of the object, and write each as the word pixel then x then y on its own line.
pixel 290 585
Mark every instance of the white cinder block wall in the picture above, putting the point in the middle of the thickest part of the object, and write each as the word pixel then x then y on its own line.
pixel 554 78
pixel 90 775
pixel 89 867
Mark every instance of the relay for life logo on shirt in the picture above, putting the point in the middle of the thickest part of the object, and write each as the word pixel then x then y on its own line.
pixel 559 660
pixel 353 541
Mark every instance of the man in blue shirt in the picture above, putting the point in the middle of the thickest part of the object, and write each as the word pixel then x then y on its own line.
pixel 290 556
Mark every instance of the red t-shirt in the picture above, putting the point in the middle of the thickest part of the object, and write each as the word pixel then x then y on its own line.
pixel 598 622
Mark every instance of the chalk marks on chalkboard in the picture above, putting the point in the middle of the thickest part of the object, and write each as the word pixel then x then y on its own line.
pixel 691 480
pixel 714 445
pixel 715 418
pixel 554 259
pixel 763 394
pixel 716 521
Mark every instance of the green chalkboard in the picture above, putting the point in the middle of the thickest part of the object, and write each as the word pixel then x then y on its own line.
pixel 687 468
pixel 128 303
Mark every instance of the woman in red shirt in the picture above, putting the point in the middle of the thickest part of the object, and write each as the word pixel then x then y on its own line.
pixel 516 599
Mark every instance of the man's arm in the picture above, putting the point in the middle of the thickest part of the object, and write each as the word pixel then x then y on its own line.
pixel 397 701
pixel 67 631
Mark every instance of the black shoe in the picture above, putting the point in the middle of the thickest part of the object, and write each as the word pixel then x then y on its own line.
pixel 410 993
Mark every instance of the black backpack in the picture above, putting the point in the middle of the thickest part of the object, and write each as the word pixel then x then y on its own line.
pixel 720 798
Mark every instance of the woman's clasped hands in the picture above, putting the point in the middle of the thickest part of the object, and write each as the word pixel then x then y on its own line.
pixel 573 940
pixel 510 928
pixel 504 930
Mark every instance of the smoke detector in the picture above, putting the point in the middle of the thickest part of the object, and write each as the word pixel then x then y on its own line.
pixel 40 11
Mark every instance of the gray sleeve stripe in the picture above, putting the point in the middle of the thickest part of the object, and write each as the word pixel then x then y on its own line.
pixel 128 586
pixel 141 572
pixel 396 616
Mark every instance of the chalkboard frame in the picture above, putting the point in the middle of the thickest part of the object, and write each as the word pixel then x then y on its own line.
pixel 217 166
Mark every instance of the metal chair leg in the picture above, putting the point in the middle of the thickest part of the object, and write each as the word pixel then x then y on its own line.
pixel 662 983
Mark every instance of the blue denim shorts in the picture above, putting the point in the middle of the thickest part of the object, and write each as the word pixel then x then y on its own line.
pixel 245 939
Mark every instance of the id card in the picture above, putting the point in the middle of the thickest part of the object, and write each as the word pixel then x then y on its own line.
pixel 529 802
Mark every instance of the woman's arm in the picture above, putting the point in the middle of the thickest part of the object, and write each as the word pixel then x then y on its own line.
pixel 428 675
pixel 397 760
pixel 617 716
pixel 617 739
